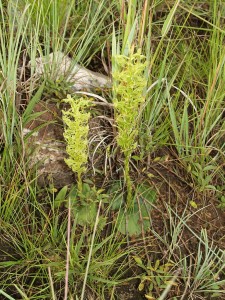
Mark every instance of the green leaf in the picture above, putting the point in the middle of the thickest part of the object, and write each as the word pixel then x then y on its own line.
pixel 101 222
pixel 88 181
pixel 149 297
pixel 86 214
pixel 73 192
pixel 6 295
pixel 33 116
pixel 207 179
pixel 36 130
pixel 222 199
pixel 117 196
pixel 193 204
pixel 141 286
pixel 61 196
pixel 86 188
pixel 138 260
pixel 147 193
pixel 28 111
pixel 117 202
pixel 168 21
pixel 136 157
pixel 129 39
pixel 210 187
pixel 209 168
pixel 157 263
pixel 128 222
pixel 158 280
pixel 151 287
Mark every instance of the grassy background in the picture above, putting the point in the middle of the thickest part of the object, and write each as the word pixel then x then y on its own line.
pixel 182 121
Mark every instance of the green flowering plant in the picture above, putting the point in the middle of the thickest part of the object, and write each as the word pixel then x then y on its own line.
pixel 128 90
pixel 76 135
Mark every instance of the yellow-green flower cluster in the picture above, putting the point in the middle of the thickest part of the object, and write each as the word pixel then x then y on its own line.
pixel 128 88
pixel 76 134
pixel 129 83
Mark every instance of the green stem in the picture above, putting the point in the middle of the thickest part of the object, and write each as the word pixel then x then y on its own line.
pixel 128 181
pixel 79 183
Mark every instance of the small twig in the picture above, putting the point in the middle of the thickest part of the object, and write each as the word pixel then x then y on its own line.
pixel 104 101
pixel 187 284
pixel 90 251
pixel 51 284
pixel 168 287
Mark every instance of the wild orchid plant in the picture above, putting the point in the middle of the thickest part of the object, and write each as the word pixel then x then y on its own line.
pixel 128 89
pixel 76 135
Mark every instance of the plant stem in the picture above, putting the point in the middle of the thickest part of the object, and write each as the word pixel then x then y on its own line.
pixel 79 183
pixel 128 181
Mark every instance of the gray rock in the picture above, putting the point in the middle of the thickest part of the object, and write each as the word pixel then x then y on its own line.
pixel 46 147
pixel 57 64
